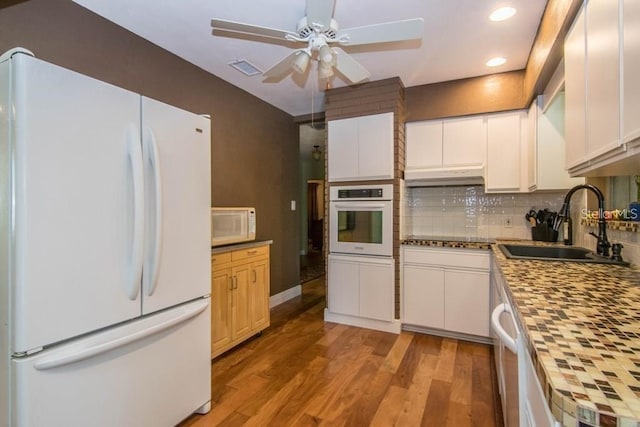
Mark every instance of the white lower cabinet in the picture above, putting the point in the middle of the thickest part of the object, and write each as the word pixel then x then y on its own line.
pixel 423 296
pixel 446 289
pixel 344 286
pixel 466 302
pixel 361 286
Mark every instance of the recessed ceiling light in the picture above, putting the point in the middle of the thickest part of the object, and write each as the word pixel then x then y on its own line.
pixel 495 62
pixel 245 67
pixel 502 13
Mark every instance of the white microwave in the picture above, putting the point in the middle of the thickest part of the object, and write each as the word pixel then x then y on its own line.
pixel 232 225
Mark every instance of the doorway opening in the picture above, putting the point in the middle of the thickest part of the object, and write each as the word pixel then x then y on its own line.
pixel 312 201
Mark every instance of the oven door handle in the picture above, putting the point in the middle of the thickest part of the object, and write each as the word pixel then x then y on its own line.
pixel 355 206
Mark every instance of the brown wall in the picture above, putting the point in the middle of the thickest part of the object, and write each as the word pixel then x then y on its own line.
pixel 495 92
pixel 254 145
pixel 503 91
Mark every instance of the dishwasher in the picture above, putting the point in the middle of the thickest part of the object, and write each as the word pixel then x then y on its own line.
pixel 506 336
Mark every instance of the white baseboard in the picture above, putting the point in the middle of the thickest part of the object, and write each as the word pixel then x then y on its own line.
pixel 283 296
pixel 379 325
pixel 448 334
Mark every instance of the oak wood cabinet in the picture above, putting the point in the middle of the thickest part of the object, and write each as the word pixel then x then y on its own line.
pixel 239 296
pixel 360 148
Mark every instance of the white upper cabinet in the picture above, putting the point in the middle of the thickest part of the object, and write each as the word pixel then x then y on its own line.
pixel 631 71
pixel 423 144
pixel 602 60
pixel 603 77
pixel 504 137
pixel 464 141
pixel 448 143
pixel 361 148
pixel 546 141
pixel 575 92
pixel 342 140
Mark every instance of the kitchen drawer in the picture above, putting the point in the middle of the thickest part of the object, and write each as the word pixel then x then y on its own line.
pixel 463 258
pixel 260 251
pixel 220 258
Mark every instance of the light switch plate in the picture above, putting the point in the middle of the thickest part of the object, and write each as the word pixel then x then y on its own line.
pixel 293 205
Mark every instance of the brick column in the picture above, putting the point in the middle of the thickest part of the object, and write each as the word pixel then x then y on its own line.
pixel 365 99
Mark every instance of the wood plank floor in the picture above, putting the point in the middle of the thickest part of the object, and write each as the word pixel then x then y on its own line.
pixel 305 372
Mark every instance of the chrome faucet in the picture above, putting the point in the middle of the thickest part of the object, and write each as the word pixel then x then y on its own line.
pixel 603 242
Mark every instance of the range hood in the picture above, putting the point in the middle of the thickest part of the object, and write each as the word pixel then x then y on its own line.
pixel 453 175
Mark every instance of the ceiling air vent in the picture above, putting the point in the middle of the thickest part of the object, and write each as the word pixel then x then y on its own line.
pixel 245 67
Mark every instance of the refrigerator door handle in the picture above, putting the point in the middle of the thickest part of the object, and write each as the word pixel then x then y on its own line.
pixel 134 153
pixel 151 148
pixel 79 353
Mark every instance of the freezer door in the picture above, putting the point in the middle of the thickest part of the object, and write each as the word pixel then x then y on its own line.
pixel 177 152
pixel 150 372
pixel 77 204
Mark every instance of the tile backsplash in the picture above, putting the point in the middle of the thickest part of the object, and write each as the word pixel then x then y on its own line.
pixel 467 212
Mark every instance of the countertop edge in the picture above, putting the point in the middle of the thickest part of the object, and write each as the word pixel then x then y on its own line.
pixel 570 406
pixel 243 245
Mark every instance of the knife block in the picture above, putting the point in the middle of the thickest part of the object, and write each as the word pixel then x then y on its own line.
pixel 544 233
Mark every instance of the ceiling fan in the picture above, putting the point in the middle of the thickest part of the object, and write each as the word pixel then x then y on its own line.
pixel 319 32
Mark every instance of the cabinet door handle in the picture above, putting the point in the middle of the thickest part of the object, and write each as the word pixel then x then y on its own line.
pixel 253 252
pixel 255 276
pixel 235 282
pixel 230 283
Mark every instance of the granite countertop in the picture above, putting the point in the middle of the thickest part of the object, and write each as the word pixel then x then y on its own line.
pixel 242 245
pixel 582 327
pixel 447 242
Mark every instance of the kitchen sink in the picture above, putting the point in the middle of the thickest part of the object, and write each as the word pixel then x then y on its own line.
pixel 555 253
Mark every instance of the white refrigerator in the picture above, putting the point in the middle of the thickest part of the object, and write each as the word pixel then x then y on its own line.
pixel 105 269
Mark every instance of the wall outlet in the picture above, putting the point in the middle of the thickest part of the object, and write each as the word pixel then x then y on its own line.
pixel 508 223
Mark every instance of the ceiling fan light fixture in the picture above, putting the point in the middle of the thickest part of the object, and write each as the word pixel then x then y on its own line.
pixel 325 70
pixel 502 14
pixel 301 62
pixel 325 54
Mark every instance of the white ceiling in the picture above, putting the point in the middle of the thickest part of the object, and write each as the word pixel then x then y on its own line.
pixel 458 39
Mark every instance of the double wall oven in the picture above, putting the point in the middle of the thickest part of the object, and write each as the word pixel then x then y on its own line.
pixel 361 220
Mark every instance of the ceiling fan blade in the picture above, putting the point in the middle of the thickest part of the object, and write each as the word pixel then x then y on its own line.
pixel 320 12
pixel 283 67
pixel 349 67
pixel 382 33
pixel 239 27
